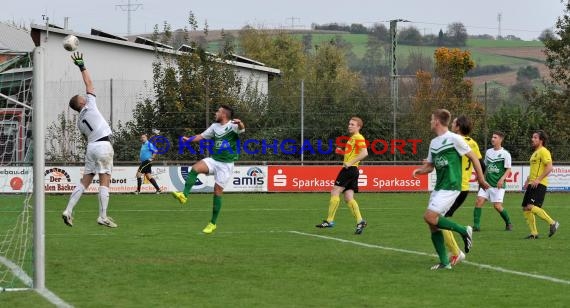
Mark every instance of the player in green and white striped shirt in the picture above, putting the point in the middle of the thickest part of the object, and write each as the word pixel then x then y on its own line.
pixel 444 156
pixel 221 164
pixel 498 162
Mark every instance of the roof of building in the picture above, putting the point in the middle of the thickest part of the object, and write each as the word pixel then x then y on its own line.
pixel 14 39
pixel 147 44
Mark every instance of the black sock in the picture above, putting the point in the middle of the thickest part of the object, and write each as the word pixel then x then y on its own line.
pixel 153 182
pixel 139 183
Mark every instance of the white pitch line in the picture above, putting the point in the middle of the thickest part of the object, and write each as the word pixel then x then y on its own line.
pixel 26 279
pixel 54 299
pixel 484 266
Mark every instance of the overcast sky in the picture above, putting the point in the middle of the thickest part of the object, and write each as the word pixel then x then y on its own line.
pixel 523 18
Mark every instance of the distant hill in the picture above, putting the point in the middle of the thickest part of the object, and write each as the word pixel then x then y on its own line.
pixel 485 52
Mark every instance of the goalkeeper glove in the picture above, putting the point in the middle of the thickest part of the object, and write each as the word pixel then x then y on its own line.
pixel 78 60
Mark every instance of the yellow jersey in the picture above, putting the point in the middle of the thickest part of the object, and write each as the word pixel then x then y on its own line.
pixel 355 144
pixel 538 161
pixel 466 165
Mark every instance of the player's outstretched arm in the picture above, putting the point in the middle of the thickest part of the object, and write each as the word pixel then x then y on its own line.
pixel 194 138
pixel 240 124
pixel 78 60
pixel 477 166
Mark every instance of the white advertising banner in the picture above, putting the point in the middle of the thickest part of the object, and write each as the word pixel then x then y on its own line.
pixel 515 180
pixel 62 179
pixel 16 179
pixel 559 179
pixel 244 179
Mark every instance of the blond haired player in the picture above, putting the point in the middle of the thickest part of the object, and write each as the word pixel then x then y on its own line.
pixel 347 180
pixel 444 156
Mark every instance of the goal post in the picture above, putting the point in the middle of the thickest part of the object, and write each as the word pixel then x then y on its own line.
pixel 22 230
pixel 38 136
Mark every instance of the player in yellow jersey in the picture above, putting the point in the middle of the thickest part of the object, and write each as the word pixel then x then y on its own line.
pixel 462 126
pixel 535 185
pixel 347 180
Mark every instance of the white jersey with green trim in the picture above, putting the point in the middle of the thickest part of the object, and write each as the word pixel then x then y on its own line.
pixel 225 141
pixel 445 153
pixel 496 162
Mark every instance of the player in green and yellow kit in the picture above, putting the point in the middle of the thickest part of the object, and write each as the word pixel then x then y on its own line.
pixel 535 185
pixel 461 126
pixel 347 179
pixel 221 164
pixel 444 156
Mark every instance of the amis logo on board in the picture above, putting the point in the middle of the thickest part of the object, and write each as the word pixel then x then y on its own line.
pixel 253 177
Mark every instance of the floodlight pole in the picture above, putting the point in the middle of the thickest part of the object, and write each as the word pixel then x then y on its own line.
pixel 394 76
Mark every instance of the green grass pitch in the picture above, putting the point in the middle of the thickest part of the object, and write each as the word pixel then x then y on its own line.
pixel 267 252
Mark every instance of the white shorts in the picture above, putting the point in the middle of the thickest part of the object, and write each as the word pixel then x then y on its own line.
pixel 440 201
pixel 99 158
pixel 492 194
pixel 222 171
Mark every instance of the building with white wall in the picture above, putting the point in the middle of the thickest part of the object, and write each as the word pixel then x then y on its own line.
pixel 121 71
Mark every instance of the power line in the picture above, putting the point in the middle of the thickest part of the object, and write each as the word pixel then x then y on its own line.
pixel 413 22
pixel 292 18
pixel 129 8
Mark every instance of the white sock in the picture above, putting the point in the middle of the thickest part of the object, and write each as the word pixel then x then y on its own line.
pixel 74 198
pixel 103 201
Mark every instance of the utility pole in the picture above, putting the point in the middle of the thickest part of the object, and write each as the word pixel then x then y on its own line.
pixel 129 8
pixel 499 17
pixel 293 21
pixel 394 74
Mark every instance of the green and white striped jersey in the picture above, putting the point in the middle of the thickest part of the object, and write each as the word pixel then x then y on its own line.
pixel 497 162
pixel 445 153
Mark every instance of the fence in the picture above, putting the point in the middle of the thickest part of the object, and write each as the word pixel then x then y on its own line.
pixel 292 111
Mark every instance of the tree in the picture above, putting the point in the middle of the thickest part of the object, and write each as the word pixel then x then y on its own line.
pixel 410 36
pixel 517 123
pixel 332 91
pixel 451 66
pixel 187 87
pixel 417 61
pixel 546 34
pixel 448 90
pixel 65 142
pixel 558 51
pixel 228 39
pixel 457 34
pixel 550 106
pixel 373 62
pixel 358 29
pixel 380 32
pixel 440 38
pixel 528 73
pixel 307 42
pixel 282 51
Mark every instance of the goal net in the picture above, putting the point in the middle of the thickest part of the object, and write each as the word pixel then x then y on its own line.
pixel 16 173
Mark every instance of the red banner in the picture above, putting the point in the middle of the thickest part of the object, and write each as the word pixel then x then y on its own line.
pixel 321 178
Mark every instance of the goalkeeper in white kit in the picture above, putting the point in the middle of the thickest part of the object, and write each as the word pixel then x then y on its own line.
pixel 99 154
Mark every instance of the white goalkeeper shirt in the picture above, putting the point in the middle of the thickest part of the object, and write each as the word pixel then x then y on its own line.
pixel 91 122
